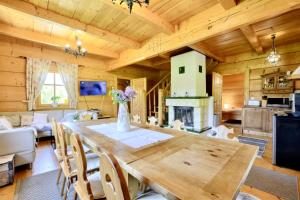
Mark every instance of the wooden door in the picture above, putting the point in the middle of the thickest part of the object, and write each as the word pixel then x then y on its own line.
pixel 138 105
pixel 217 83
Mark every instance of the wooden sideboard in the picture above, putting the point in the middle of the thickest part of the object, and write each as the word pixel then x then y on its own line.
pixel 259 119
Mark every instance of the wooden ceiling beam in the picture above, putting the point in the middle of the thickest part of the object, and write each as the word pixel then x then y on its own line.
pixel 227 4
pixel 197 29
pixel 144 14
pixel 33 10
pixel 252 38
pixel 201 48
pixel 246 30
pixel 51 40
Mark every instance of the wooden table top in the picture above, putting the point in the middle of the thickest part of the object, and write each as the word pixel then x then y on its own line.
pixel 187 166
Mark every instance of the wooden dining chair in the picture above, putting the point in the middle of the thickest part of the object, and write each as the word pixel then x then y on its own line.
pixel 114 183
pixel 136 119
pixel 86 187
pixel 68 164
pixel 178 125
pixel 57 148
pixel 152 121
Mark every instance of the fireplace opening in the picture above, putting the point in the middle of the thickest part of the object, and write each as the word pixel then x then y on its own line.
pixel 184 114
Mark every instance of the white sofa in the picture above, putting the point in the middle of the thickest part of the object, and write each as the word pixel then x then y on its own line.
pixel 21 140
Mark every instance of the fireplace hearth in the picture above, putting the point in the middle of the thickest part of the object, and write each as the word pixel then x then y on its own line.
pixel 184 114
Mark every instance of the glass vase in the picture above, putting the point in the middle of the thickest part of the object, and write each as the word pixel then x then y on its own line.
pixel 123 123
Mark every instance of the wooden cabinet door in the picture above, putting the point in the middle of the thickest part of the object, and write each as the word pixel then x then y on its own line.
pixel 217 83
pixel 138 105
pixel 253 119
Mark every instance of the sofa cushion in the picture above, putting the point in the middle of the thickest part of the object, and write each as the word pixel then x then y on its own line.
pixel 5 124
pixel 15 117
pixel 40 118
pixel 14 120
pixel 56 114
pixel 26 120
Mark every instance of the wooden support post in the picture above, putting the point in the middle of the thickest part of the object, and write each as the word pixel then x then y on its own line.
pixel 246 86
pixel 160 106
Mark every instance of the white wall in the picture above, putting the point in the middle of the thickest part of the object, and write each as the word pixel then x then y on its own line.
pixel 191 82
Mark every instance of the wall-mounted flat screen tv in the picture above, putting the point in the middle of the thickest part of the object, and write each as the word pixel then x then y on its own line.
pixel 92 88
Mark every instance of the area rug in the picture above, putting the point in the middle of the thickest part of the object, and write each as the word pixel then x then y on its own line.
pixel 280 185
pixel 254 141
pixel 39 187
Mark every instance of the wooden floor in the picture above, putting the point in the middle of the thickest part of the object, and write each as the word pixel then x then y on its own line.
pixel 46 161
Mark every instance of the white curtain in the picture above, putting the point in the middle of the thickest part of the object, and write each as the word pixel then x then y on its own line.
pixel 69 74
pixel 36 74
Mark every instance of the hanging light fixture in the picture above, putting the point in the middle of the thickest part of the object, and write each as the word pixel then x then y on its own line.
pixel 130 3
pixel 79 51
pixel 274 57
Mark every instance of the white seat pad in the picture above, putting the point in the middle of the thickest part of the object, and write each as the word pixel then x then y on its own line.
pixel 246 196
pixel 92 159
pixel 152 196
pixel 96 185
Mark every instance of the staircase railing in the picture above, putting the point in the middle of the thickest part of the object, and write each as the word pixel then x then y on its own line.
pixel 155 98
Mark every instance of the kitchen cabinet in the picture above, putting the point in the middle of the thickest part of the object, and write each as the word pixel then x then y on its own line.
pixel 277 83
pixel 259 119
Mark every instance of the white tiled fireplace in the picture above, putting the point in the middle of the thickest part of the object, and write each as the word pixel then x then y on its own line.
pixel 189 101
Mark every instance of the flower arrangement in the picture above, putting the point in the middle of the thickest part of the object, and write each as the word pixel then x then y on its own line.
pixel 121 97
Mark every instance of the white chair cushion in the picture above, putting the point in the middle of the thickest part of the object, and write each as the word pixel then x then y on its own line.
pixel 69 152
pixel 92 159
pixel 152 196
pixel 96 185
pixel 246 196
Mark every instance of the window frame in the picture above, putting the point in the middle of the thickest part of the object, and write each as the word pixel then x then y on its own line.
pixel 49 106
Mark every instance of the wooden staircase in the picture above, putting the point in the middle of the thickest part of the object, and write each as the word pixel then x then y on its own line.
pixel 155 98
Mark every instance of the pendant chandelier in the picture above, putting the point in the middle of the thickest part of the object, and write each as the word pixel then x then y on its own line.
pixel 274 57
pixel 79 51
pixel 130 3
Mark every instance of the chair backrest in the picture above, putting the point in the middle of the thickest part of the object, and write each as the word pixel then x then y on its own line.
pixel 178 125
pixel 81 164
pixel 112 178
pixel 152 120
pixel 63 149
pixel 54 131
pixel 136 119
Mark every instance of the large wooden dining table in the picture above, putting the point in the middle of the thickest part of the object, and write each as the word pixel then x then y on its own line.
pixel 186 166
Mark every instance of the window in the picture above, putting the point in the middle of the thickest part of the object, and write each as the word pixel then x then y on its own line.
pixel 53 91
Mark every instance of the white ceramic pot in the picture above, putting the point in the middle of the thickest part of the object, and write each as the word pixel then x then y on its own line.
pixel 123 123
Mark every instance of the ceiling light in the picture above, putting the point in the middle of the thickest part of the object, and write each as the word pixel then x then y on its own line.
pixel 79 51
pixel 273 57
pixel 130 3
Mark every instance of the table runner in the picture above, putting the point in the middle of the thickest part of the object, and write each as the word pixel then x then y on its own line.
pixel 135 138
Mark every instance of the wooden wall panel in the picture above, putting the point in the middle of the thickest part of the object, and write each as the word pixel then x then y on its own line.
pixel 13 78
pixel 12 94
pixel 257 66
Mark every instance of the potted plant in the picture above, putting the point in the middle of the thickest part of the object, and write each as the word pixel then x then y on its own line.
pixel 122 98
pixel 55 100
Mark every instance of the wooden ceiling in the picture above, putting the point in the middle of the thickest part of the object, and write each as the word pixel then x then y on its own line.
pixel 149 36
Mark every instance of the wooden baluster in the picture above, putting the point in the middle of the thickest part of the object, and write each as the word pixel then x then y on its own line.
pixel 154 102
pixel 149 105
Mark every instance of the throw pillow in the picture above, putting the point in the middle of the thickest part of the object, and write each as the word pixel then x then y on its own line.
pixel 14 120
pixel 5 124
pixel 26 120
pixel 40 118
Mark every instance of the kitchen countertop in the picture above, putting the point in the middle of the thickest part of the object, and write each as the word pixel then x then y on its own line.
pixel 270 107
